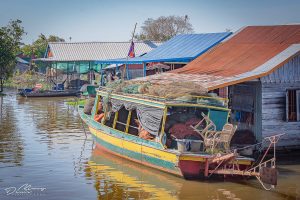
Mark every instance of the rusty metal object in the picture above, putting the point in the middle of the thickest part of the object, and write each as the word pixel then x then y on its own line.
pixel 268 175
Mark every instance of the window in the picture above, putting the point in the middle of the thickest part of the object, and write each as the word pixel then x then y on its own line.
pixel 293 105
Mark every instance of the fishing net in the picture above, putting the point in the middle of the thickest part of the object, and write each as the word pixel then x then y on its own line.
pixel 176 90
pixel 182 91
pixel 188 92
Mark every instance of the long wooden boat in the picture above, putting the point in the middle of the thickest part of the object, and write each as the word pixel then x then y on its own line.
pixel 50 93
pixel 117 136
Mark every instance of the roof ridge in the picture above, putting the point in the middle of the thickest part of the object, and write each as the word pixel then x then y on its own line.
pixel 99 42
pixel 274 25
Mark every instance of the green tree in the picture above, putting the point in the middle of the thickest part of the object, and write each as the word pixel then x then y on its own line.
pixel 164 28
pixel 37 48
pixel 10 37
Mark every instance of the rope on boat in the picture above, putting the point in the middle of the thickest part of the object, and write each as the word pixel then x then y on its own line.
pixel 259 143
pixel 246 147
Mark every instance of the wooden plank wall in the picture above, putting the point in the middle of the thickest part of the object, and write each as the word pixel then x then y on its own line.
pixel 288 73
pixel 274 87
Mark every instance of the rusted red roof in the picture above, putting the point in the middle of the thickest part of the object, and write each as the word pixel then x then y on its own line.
pixel 252 48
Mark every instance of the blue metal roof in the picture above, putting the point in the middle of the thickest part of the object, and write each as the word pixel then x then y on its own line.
pixel 181 48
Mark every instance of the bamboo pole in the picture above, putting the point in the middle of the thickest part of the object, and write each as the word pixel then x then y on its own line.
pixel 162 132
pixel 126 68
pixel 115 119
pixel 128 121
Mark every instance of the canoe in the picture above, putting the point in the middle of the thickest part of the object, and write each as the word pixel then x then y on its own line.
pixel 50 93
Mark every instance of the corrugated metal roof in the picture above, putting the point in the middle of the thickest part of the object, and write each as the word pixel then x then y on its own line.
pixel 91 51
pixel 181 48
pixel 253 52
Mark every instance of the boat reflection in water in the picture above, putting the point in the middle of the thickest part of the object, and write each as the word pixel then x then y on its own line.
pixel 118 178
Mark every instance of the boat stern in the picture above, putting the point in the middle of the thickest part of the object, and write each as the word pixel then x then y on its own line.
pixel 199 165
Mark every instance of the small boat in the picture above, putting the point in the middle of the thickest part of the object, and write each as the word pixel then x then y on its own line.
pixel 190 139
pixel 48 93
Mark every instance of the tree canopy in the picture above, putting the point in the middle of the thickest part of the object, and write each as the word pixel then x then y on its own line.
pixel 38 47
pixel 10 37
pixel 164 28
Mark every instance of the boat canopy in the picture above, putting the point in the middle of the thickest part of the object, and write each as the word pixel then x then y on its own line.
pixel 149 117
pixel 151 111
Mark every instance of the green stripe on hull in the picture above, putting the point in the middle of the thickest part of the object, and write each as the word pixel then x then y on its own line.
pixel 119 134
pixel 136 155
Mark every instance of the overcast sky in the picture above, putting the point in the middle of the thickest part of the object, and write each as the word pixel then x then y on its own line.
pixel 113 20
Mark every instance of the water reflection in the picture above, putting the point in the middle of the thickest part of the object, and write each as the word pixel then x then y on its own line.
pixel 11 144
pixel 53 115
pixel 116 178
pixel 53 118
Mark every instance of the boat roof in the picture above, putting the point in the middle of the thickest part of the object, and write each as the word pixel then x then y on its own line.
pixel 160 102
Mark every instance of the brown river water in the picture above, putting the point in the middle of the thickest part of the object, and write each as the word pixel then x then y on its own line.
pixel 45 154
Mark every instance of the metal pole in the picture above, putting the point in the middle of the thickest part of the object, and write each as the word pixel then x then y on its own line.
pixel 101 75
pixel 90 75
pixel 144 69
pixel 133 32
pixel 127 72
pixel 68 82
pixel 78 86
pixel 56 76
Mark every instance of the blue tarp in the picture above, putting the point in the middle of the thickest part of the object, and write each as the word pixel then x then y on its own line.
pixel 181 48
pixel 219 118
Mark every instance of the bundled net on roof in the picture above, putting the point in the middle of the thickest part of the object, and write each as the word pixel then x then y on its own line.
pixel 168 90
pixel 187 92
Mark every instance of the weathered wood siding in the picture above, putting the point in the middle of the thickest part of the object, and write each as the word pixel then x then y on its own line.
pixel 288 73
pixel 274 87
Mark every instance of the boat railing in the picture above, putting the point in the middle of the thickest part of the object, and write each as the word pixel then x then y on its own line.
pixel 130 126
